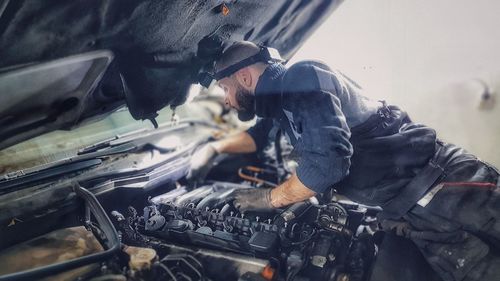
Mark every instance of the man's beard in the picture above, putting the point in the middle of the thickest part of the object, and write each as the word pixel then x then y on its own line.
pixel 246 102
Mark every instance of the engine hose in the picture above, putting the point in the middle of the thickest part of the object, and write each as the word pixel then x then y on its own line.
pixel 293 212
pixel 309 238
pixel 225 209
pixel 286 219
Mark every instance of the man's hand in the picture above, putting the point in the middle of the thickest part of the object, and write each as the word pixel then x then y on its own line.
pixel 202 162
pixel 255 199
pixel 289 192
pixel 202 159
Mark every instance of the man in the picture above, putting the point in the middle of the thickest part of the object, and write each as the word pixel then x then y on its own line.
pixel 444 199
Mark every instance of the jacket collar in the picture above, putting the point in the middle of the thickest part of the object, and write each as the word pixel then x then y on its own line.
pixel 268 91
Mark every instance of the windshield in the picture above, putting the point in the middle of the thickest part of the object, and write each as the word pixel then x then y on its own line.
pixel 63 144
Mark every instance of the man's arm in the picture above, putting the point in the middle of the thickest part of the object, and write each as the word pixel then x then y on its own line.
pixel 324 149
pixel 250 141
pixel 254 139
pixel 239 143
pixel 291 191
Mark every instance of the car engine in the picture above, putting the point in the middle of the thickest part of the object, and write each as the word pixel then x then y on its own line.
pixel 306 241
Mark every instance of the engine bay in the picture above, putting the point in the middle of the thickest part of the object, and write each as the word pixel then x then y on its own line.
pixel 195 233
pixel 305 241
pixel 108 222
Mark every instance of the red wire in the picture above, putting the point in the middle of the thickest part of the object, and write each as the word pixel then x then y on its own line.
pixel 479 184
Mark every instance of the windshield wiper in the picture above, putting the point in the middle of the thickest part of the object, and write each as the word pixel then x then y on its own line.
pixel 90 156
pixel 61 167
pixel 21 179
pixel 139 137
pixel 146 136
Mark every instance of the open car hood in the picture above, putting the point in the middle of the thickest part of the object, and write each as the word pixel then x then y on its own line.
pixel 64 62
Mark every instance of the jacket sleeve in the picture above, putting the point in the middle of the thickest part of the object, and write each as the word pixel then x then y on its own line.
pixel 323 148
pixel 260 132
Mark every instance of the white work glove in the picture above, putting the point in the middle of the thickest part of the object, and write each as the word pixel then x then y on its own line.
pixel 201 163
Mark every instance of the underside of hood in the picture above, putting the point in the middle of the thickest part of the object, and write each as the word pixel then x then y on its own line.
pixel 153 52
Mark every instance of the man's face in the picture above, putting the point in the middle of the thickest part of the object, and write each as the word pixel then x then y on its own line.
pixel 238 98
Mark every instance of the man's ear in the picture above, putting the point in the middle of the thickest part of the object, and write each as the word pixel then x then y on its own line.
pixel 244 77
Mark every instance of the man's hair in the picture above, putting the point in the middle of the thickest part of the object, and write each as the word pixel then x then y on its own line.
pixel 235 53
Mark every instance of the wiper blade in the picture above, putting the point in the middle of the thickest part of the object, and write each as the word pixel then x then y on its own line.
pixel 90 155
pixel 7 184
pixel 144 136
pixel 61 167
pixel 65 161
pixel 134 136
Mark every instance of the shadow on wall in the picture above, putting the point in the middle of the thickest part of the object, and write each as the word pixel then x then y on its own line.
pixel 463 113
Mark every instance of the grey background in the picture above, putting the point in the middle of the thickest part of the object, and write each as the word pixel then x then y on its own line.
pixel 424 56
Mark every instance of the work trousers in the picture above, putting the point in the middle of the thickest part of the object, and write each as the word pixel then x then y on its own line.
pixel 457 224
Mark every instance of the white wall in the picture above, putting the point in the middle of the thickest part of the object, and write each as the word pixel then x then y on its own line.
pixel 424 56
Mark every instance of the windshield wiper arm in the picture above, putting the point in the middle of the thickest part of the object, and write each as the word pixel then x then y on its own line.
pixel 131 137
pixel 90 156
pixel 144 136
pixel 9 184
pixel 61 167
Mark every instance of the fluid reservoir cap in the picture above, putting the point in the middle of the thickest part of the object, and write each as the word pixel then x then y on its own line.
pixel 140 258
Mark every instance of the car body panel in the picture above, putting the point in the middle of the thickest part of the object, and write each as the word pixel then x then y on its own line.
pixel 159 47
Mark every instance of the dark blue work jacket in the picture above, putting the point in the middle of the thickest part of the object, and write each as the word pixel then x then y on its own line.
pixel 342 139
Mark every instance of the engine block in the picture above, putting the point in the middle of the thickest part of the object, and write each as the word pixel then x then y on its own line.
pixel 303 239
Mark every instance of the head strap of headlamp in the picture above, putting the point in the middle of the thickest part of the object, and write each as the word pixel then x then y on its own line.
pixel 265 54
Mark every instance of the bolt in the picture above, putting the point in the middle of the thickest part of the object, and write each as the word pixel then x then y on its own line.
pixel 286 224
pixel 257 218
pixel 231 213
pixel 268 221
pixel 331 257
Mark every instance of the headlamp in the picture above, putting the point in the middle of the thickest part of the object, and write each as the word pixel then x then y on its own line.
pixel 265 54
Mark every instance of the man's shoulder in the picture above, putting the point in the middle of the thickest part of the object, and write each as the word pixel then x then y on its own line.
pixel 309 64
pixel 305 75
pixel 306 67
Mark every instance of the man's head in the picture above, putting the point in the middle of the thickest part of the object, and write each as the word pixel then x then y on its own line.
pixel 239 87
